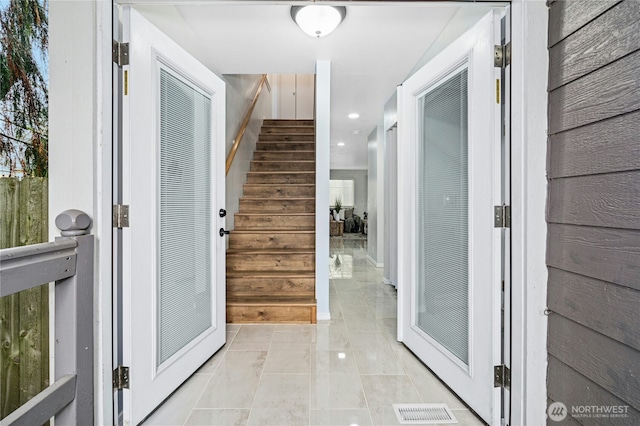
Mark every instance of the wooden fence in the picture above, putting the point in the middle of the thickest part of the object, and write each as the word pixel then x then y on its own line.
pixel 24 317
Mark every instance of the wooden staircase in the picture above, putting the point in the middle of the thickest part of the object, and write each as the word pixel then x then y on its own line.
pixel 271 255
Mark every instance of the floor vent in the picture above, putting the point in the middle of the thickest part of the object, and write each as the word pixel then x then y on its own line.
pixel 424 414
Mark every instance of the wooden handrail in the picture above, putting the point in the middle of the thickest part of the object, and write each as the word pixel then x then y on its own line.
pixel 245 123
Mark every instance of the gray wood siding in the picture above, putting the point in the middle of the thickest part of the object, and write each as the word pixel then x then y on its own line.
pixel 567 16
pixel 593 208
pixel 574 389
pixel 613 142
pixel 595 45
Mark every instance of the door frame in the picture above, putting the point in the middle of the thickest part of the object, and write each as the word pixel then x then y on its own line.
pixel 84 65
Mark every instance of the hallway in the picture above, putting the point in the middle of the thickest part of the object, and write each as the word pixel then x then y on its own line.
pixel 347 371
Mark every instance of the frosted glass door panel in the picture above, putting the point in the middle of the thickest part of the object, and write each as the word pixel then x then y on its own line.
pixel 442 292
pixel 185 263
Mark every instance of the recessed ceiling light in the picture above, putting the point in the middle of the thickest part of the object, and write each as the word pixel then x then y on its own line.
pixel 354 115
pixel 340 143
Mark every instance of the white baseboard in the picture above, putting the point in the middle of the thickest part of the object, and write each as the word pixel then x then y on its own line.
pixel 323 316
pixel 374 263
pixel 386 281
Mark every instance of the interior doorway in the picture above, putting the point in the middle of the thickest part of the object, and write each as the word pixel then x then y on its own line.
pixel 381 179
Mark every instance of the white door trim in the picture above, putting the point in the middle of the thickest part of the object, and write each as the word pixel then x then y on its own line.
pixel 529 69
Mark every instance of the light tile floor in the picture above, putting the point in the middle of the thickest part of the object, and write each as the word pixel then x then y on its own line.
pixel 346 371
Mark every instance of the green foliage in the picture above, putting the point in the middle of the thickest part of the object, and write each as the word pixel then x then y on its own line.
pixel 24 109
pixel 337 205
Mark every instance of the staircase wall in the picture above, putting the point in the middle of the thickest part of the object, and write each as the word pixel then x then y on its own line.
pixel 240 92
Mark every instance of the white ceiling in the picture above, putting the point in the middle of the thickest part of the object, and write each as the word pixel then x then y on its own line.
pixel 375 49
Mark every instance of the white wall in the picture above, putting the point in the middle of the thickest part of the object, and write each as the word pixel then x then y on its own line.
pixel 375 193
pixel 240 92
pixel 323 136
pixel 359 178
pixel 391 191
pixel 80 164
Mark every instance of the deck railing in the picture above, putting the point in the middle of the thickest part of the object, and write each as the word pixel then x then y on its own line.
pixel 69 262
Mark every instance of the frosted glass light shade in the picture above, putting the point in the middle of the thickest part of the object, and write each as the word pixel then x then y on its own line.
pixel 318 20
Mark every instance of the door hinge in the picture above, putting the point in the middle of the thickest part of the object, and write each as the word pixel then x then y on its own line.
pixel 120 216
pixel 121 378
pixel 502 55
pixel 120 53
pixel 501 377
pixel 502 216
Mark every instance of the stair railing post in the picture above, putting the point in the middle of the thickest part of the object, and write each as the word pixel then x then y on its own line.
pixel 74 320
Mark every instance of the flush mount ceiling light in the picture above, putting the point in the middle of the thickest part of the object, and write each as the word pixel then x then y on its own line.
pixel 318 20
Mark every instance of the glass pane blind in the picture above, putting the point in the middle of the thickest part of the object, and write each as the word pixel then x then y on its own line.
pixel 186 191
pixel 442 289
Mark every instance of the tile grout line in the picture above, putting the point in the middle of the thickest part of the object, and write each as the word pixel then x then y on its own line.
pixel 224 355
pixel 366 400
pixel 253 401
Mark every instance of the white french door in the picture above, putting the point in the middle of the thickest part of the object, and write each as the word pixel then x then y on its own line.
pixel 450 254
pixel 173 307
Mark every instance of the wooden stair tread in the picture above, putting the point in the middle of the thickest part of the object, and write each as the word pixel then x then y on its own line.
pixel 273 231
pixel 271 251
pixel 280 199
pixel 282 172
pixel 271 274
pixel 273 301
pixel 276 185
pixel 288 142
pixel 302 121
pixel 284 151
pixel 274 214
pixel 285 161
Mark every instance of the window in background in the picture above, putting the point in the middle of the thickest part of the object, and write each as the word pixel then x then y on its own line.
pixel 342 190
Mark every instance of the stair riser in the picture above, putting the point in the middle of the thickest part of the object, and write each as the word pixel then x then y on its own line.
pixel 279 191
pixel 272 241
pixel 287 130
pixel 285 138
pixel 299 287
pixel 275 146
pixel 281 122
pixel 277 262
pixel 282 166
pixel 284 156
pixel 295 178
pixel 277 206
pixel 284 222
pixel 272 314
